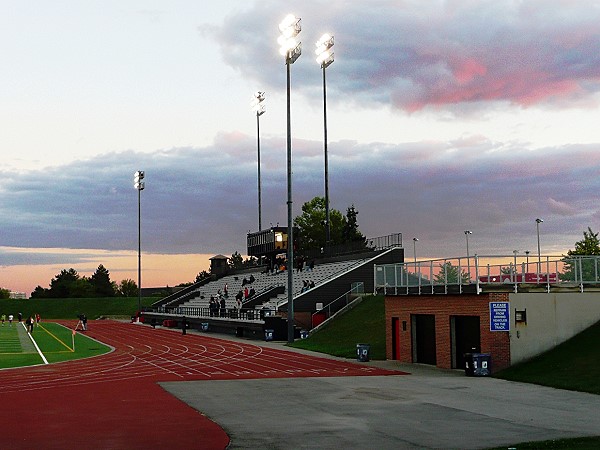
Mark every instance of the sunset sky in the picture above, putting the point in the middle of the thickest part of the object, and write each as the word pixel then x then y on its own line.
pixel 443 116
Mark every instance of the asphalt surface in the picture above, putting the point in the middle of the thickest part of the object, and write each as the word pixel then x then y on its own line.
pixel 430 408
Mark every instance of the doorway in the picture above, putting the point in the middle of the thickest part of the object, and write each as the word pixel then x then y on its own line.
pixel 423 338
pixel 466 338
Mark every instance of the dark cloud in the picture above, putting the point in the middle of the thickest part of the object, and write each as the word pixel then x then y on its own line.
pixel 204 200
pixel 413 55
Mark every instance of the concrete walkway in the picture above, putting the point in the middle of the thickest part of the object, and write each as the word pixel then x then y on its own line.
pixel 430 408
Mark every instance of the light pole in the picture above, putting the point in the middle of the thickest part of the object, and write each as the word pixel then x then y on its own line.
pixel 259 108
pixel 290 27
pixel 537 224
pixel 139 185
pixel 415 250
pixel 325 59
pixel 467 233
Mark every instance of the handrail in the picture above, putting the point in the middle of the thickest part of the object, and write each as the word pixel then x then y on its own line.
pixel 357 289
pixel 487 271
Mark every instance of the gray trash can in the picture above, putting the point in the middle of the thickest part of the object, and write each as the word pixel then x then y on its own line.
pixel 363 352
pixel 269 335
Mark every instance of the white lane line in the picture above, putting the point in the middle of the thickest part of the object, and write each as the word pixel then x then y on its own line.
pixel 35 345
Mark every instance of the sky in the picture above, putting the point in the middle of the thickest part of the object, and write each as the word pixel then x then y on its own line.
pixel 442 116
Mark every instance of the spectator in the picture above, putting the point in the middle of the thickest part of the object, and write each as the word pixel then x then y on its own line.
pixel 226 290
pixel 223 307
pixel 252 292
pixel 246 293
pixel 251 280
pixel 312 284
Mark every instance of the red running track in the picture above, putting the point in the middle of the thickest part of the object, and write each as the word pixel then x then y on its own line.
pixel 113 401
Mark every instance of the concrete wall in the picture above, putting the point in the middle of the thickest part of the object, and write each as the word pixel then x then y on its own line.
pixel 551 319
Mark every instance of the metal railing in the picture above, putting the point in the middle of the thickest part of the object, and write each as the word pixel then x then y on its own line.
pixel 340 302
pixel 485 272
pixel 220 313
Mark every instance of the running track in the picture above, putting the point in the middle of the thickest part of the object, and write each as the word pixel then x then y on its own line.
pixel 114 402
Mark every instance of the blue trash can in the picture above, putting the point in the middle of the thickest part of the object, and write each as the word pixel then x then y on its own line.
pixel 303 334
pixel 269 335
pixel 204 326
pixel 478 364
pixel 363 352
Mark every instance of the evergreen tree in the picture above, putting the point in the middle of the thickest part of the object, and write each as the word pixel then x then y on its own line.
pixel 101 284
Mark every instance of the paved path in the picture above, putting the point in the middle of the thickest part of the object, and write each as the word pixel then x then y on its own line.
pixel 429 409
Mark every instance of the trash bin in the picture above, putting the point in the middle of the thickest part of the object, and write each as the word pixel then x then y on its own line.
pixel 303 334
pixel 204 326
pixel 269 335
pixel 362 352
pixel 478 364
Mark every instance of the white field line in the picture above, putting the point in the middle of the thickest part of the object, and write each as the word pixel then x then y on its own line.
pixel 36 346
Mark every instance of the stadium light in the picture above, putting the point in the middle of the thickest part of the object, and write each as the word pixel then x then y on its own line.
pixel 467 233
pixel 415 240
pixel 290 27
pixel 139 185
pixel 325 58
pixel 537 224
pixel 259 108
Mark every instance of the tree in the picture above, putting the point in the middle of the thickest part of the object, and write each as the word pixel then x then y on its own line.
pixel 4 293
pixel 63 285
pixel 448 274
pixel 238 262
pixel 202 276
pixel 311 225
pixel 128 288
pixel 350 232
pixel 40 292
pixel 101 284
pixel 590 267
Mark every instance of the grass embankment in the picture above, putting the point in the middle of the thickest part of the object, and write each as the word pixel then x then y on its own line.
pixel 55 342
pixel 573 365
pixel 70 308
pixel 363 324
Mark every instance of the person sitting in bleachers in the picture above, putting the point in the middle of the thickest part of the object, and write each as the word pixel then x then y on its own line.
pixel 251 293
pixel 251 280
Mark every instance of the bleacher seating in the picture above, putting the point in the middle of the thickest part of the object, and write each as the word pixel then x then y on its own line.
pixel 200 298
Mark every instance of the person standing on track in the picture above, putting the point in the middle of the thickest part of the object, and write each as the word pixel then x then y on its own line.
pixel 183 325
pixel 3 319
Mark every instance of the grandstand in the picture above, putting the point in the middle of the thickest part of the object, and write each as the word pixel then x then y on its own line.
pixel 332 276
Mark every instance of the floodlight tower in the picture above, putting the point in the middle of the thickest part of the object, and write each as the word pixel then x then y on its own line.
pixel 259 108
pixel 467 233
pixel 139 185
pixel 291 49
pixel 537 224
pixel 325 59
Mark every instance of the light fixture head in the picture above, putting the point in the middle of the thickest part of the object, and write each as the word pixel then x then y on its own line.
pixel 257 103
pixel 538 220
pixel 415 239
pixel 468 232
pixel 290 26
pixel 137 180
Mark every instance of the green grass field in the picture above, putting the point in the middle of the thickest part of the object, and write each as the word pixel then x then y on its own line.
pixel 69 308
pixel 365 324
pixel 54 341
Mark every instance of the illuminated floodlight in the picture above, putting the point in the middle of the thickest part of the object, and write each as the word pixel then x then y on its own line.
pixel 289 47
pixel 325 55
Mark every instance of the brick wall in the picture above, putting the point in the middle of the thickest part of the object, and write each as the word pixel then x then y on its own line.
pixel 443 307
